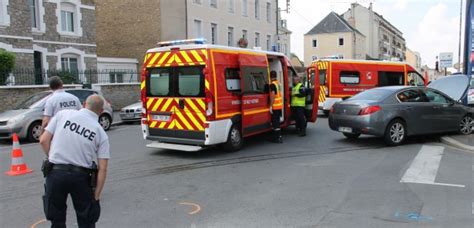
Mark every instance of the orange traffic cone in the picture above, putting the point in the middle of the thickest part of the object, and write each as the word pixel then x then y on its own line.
pixel 18 167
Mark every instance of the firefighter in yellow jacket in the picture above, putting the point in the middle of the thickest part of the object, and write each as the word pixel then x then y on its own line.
pixel 298 103
pixel 276 107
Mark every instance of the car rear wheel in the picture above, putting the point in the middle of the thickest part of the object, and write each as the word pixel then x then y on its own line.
pixel 34 131
pixel 396 133
pixel 105 121
pixel 234 140
pixel 351 135
pixel 466 125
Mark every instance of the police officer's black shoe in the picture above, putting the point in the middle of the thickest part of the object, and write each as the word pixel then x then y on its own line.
pixel 302 134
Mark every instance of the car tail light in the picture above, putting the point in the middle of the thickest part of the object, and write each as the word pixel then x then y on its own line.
pixel 332 109
pixel 210 107
pixel 369 110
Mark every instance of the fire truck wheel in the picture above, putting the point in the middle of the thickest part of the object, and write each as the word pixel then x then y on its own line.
pixel 234 140
pixel 351 135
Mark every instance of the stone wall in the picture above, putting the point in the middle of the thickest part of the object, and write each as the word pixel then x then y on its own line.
pixel 120 94
pixel 16 94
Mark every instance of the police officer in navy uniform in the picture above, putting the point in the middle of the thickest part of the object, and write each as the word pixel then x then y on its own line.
pixel 58 101
pixel 298 103
pixel 78 139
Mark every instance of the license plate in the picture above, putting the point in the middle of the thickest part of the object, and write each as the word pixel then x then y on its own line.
pixel 129 115
pixel 162 118
pixel 345 129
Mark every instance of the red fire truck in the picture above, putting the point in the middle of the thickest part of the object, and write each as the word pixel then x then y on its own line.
pixel 344 78
pixel 197 95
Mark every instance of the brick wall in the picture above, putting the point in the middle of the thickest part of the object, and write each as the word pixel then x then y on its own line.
pixel 16 94
pixel 128 32
pixel 120 95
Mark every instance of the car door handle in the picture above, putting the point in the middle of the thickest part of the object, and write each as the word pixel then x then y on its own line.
pixel 437 107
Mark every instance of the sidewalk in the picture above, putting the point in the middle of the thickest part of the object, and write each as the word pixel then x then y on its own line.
pixel 463 142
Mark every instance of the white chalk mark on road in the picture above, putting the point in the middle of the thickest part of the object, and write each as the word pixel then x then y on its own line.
pixel 424 167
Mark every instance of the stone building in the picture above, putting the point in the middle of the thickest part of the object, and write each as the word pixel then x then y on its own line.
pixel 128 32
pixel 333 37
pixel 49 34
pixel 383 40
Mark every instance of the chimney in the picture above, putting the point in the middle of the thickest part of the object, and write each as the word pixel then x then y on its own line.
pixel 370 6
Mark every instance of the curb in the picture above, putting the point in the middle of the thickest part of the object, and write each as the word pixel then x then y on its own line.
pixel 452 142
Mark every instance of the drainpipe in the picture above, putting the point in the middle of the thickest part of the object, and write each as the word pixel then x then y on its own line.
pixel 186 17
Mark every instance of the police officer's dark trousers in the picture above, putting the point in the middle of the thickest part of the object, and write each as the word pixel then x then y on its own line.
pixel 276 134
pixel 298 114
pixel 60 183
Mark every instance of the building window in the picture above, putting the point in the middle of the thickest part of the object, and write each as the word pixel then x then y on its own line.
pixel 116 77
pixel 257 9
pixel 213 3
pixel 213 33
pixel 231 4
pixel 69 63
pixel 257 39
pixel 198 28
pixel 245 8
pixel 269 12
pixel 315 43
pixel 197 2
pixel 4 17
pixel 68 19
pixel 269 43
pixel 230 36
pixel 341 41
pixel 34 13
pixel 245 34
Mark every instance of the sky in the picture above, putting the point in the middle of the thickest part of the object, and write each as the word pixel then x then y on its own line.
pixel 429 26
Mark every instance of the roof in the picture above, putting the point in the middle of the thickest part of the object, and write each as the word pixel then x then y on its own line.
pixel 332 23
pixel 212 46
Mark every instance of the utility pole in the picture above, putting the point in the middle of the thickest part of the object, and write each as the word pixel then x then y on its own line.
pixel 460 28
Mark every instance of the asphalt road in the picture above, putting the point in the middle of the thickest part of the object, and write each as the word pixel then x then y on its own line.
pixel 322 180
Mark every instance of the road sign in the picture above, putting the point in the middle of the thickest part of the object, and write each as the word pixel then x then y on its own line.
pixel 445 59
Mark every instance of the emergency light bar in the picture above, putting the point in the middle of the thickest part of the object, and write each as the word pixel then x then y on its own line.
pixel 181 42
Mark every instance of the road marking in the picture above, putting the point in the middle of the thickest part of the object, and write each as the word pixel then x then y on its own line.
pixel 38 222
pixel 197 208
pixel 424 167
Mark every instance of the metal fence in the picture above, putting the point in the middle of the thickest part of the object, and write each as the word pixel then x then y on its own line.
pixel 35 77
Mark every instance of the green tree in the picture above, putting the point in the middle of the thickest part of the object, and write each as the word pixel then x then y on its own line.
pixel 7 63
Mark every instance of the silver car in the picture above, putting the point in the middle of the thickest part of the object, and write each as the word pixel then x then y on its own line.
pixel 25 119
pixel 396 112
pixel 132 112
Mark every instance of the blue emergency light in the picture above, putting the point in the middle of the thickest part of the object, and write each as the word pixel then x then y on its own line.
pixel 182 42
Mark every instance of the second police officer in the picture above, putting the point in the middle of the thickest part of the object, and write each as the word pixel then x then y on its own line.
pixel 59 100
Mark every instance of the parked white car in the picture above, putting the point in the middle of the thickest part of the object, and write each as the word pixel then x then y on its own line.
pixel 131 113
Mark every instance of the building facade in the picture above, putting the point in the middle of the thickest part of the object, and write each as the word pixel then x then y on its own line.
pixel 413 58
pixel 283 39
pixel 383 40
pixel 49 34
pixel 333 37
pixel 221 22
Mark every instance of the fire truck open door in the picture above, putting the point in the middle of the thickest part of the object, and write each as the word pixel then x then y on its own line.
pixel 312 101
pixel 255 99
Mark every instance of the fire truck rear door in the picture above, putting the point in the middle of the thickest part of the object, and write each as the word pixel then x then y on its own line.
pixel 255 107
